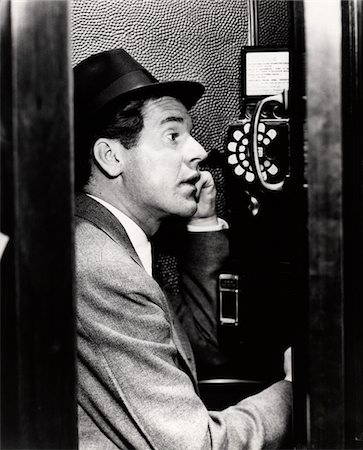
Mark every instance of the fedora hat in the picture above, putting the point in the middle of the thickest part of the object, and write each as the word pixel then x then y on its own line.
pixel 113 76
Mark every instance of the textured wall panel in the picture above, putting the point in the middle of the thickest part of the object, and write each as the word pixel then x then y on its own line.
pixel 273 24
pixel 188 39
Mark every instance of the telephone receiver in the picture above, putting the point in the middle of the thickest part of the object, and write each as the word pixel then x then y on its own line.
pixel 280 99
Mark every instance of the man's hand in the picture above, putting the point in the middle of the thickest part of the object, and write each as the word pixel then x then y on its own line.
pixel 287 364
pixel 206 201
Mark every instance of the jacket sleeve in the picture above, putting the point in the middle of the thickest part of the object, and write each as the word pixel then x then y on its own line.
pixel 201 259
pixel 129 382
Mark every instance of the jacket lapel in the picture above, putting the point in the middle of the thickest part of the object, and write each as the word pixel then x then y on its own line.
pixel 89 209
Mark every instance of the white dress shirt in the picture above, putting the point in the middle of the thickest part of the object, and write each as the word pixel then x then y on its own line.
pixel 138 238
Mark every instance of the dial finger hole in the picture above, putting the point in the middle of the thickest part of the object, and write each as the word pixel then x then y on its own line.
pixel 232 159
pixel 261 127
pixel 232 146
pixel 271 133
pixel 273 169
pixel 249 177
pixel 237 135
pixel 238 170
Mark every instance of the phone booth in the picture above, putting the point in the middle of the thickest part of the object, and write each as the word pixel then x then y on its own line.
pixel 282 118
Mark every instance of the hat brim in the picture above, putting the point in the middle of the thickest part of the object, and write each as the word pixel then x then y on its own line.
pixel 188 92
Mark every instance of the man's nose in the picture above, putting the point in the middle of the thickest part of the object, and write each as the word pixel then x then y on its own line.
pixel 195 151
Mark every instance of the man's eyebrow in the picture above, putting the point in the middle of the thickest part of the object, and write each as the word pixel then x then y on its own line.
pixel 172 119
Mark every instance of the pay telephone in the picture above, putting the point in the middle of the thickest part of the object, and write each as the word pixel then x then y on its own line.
pixel 255 289
pixel 257 144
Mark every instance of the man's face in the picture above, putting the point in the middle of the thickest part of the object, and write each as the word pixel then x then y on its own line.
pixel 161 170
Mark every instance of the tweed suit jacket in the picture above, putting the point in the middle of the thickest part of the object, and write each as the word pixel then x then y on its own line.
pixel 137 380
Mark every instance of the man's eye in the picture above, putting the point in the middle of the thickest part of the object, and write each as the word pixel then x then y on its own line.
pixel 173 136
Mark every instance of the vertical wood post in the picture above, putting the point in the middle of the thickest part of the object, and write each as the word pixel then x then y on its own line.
pixel 352 93
pixel 326 395
pixel 41 382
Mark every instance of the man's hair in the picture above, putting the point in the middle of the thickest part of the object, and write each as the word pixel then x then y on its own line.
pixel 123 122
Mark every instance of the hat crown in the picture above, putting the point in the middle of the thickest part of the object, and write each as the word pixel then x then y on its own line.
pixel 99 71
pixel 114 74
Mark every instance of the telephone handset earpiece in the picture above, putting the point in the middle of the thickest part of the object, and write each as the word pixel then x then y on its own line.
pixel 256 150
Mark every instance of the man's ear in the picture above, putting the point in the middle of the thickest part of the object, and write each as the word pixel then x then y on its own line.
pixel 108 154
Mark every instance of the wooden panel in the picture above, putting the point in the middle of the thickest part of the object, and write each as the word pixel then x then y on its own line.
pixel 324 140
pixel 353 217
pixel 8 396
pixel 298 218
pixel 41 385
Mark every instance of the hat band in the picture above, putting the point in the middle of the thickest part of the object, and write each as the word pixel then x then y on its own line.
pixel 128 82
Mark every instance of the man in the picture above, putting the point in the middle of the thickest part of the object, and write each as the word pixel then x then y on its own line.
pixel 138 164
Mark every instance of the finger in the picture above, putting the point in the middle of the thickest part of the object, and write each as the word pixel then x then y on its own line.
pixel 199 184
pixel 205 182
pixel 206 178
